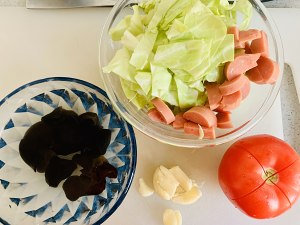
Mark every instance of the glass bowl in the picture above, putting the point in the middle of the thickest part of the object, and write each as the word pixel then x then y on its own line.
pixel 25 197
pixel 244 118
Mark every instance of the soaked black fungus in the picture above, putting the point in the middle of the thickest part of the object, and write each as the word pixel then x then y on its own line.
pixel 105 170
pixel 92 181
pixel 67 132
pixel 58 170
pixel 35 147
pixel 61 133
pixel 76 186
pixel 95 188
pixel 99 169
pixel 96 141
pixel 89 119
pixel 83 161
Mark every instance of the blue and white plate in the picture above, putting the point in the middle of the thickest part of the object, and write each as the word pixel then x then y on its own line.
pixel 25 197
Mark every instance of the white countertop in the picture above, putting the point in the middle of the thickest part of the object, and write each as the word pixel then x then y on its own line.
pixel 283 3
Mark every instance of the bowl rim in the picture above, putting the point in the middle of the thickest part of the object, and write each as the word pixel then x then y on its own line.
pixel 192 143
pixel 130 129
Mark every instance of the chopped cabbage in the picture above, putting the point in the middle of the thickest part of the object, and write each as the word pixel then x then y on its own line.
pixel 172 47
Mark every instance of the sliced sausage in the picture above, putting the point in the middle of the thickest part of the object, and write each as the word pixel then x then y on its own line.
pixel 193 128
pixel 201 115
pixel 260 45
pixel 230 102
pixel 225 125
pixel 239 44
pixel 234 85
pixel 213 94
pixel 245 37
pixel 155 116
pixel 240 65
pixel 247 48
pixel 268 69
pixel 224 120
pixel 255 76
pixel 249 35
pixel 164 110
pixel 245 89
pixel 179 121
pixel 209 132
pixel 235 31
pixel 223 116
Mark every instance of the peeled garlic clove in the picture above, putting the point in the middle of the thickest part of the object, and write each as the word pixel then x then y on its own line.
pixel 164 183
pixel 144 189
pixel 172 217
pixel 184 181
pixel 188 197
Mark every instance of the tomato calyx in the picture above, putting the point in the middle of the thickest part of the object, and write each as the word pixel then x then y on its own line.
pixel 270 176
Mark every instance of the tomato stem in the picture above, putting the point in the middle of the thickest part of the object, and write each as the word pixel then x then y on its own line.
pixel 270 176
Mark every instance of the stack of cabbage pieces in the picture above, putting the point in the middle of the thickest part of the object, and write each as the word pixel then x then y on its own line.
pixel 171 47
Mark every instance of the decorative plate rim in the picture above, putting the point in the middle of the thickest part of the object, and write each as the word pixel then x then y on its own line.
pixel 130 129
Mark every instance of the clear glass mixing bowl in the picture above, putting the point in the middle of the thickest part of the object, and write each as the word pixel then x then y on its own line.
pixel 244 118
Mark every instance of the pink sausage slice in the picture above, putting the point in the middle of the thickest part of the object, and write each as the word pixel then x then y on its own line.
pixel 255 76
pixel 179 121
pixel 225 125
pixel 260 45
pixel 155 116
pixel 213 94
pixel 223 117
pixel 234 85
pixel 239 44
pixel 245 37
pixel 245 89
pixel 224 120
pixel 240 65
pixel 235 31
pixel 268 69
pixel 230 102
pixel 249 35
pixel 247 48
pixel 193 128
pixel 209 132
pixel 164 110
pixel 201 115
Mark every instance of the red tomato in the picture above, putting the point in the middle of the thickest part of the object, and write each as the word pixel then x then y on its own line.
pixel 260 175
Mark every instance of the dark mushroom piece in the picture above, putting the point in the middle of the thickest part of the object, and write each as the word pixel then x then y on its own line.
pixel 58 170
pixel 76 187
pixel 89 119
pixel 96 139
pixel 67 134
pixel 36 146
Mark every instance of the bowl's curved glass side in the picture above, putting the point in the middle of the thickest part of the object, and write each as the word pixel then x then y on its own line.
pixel 245 118
pixel 45 95
pixel 124 158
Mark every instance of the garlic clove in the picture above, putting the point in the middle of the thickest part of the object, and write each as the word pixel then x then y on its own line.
pixel 184 181
pixel 187 197
pixel 172 217
pixel 144 189
pixel 164 183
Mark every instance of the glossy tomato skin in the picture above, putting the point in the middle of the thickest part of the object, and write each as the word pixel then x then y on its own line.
pixel 244 171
